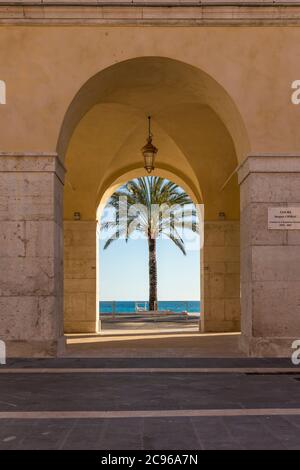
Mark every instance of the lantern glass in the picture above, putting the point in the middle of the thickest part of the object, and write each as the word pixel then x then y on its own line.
pixel 149 151
pixel 149 158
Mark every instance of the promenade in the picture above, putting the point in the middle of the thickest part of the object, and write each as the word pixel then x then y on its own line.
pixel 149 403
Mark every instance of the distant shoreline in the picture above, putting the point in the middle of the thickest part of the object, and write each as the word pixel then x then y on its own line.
pixel 128 306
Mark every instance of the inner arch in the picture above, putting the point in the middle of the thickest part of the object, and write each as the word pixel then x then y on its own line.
pixel 156 82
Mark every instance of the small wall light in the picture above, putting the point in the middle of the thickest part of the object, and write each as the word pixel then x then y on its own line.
pixel 77 216
pixel 222 216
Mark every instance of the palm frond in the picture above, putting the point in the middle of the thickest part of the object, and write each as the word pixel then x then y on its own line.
pixel 178 242
pixel 164 208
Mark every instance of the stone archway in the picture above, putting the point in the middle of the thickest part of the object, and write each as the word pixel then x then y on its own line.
pixel 195 148
pixel 206 89
pixel 194 143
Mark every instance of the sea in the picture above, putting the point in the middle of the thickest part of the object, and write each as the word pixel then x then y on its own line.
pixel 176 306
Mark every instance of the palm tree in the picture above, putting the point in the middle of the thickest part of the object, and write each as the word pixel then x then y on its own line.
pixel 154 207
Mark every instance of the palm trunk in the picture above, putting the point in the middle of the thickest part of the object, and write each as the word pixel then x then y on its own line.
pixel 152 273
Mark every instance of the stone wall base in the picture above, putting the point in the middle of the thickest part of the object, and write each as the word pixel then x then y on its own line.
pixel 266 347
pixel 31 268
pixel 221 275
pixel 270 258
pixel 78 326
pixel 80 310
pixel 31 348
pixel 225 326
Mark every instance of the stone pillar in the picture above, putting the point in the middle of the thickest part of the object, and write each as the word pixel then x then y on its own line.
pixel 80 312
pixel 270 259
pixel 31 263
pixel 221 259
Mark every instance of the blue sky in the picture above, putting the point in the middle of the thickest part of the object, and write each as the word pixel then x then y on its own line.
pixel 124 271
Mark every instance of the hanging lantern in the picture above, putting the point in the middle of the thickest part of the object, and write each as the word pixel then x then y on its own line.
pixel 149 151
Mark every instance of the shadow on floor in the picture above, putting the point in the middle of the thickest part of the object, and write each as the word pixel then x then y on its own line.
pixel 153 344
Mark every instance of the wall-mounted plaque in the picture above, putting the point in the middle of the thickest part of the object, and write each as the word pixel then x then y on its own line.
pixel 284 218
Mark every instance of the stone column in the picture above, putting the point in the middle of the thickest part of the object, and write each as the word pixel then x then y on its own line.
pixel 270 259
pixel 31 264
pixel 221 270
pixel 80 312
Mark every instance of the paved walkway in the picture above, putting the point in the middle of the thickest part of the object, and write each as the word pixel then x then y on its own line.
pixel 149 403
pixel 149 343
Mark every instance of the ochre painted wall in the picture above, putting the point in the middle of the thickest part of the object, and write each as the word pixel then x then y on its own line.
pixel 254 65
